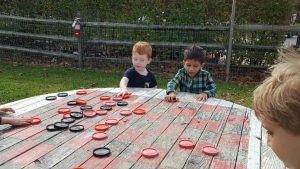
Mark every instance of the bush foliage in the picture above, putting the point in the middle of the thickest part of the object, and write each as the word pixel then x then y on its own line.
pixel 163 12
pixel 190 12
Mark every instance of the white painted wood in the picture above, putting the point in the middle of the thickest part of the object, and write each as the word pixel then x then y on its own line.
pixel 254 143
pixel 39 101
pixel 212 101
pixel 42 102
pixel 187 97
pixel 240 106
pixel 16 102
pixel 225 103
pixel 139 91
pixel 161 94
pixel 101 89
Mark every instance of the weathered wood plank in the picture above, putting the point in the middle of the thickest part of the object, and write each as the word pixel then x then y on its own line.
pixel 176 157
pixel 210 136
pixel 129 135
pixel 42 112
pixel 244 143
pixel 77 158
pixel 254 143
pixel 161 135
pixel 75 140
pixel 230 140
pixel 36 133
pixel 132 153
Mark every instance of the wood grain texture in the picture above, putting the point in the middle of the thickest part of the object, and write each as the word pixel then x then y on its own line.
pixel 233 129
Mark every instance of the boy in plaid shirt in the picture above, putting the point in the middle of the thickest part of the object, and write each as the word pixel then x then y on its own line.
pixel 192 78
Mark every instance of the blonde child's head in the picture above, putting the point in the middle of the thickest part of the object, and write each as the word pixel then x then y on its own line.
pixel 278 98
pixel 142 48
pixel 277 104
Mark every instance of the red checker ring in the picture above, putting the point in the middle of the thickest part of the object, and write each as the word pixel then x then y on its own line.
pixel 117 98
pixel 101 112
pixel 126 96
pixel 125 112
pixel 101 127
pixel 35 120
pixel 210 150
pixel 104 97
pixel 110 103
pixel 81 92
pixel 112 121
pixel 99 136
pixel 186 143
pixel 149 152
pixel 89 113
pixel 64 110
pixel 80 102
pixel 66 115
pixel 139 111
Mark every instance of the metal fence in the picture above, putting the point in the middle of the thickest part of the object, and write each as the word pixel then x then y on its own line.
pixel 108 45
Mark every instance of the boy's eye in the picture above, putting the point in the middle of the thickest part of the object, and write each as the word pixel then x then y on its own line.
pixel 269 133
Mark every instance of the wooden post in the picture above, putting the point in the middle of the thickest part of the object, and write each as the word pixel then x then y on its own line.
pixel 80 58
pixel 80 41
pixel 229 50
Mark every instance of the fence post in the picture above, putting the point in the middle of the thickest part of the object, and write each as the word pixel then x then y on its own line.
pixel 229 50
pixel 78 33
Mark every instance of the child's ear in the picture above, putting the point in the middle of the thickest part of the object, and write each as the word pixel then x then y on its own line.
pixel 183 62
pixel 202 65
pixel 149 60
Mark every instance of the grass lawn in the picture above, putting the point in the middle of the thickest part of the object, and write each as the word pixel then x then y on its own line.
pixel 18 82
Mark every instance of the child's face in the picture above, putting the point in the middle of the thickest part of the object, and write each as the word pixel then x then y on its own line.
pixel 286 145
pixel 140 61
pixel 192 66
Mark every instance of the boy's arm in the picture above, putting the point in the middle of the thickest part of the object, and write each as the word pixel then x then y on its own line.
pixel 172 85
pixel 123 86
pixel 211 86
pixel 123 83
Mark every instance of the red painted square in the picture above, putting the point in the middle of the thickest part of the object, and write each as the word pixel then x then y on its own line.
pixel 220 164
pixel 213 125
pixel 188 113
pixel 207 108
pixel 229 140
pixel 219 109
pixel 244 142
pixel 198 149
pixel 174 111
pixel 236 119
pixel 33 154
pixel 128 135
pixel 198 123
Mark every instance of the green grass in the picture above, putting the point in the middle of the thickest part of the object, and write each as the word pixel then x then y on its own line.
pixel 18 82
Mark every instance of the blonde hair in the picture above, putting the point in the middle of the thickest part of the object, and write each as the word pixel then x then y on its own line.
pixel 142 48
pixel 277 99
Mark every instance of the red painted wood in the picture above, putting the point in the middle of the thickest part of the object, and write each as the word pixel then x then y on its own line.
pixel 33 154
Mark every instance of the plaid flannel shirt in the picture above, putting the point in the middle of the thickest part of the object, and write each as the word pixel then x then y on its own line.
pixel 202 82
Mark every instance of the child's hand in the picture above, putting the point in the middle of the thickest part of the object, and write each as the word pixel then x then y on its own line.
pixel 123 93
pixel 16 121
pixel 202 97
pixel 171 97
pixel 4 110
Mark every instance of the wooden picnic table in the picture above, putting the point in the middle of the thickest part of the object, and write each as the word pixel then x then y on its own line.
pixel 231 128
